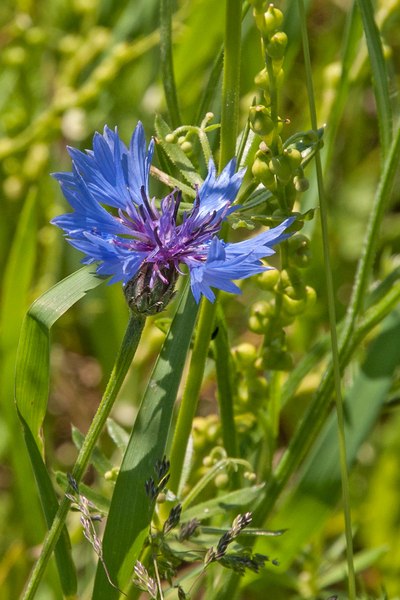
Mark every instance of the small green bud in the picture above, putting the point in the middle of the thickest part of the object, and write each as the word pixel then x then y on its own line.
pixel 301 183
pixel 310 137
pixel 260 120
pixel 161 498
pixel 262 80
pixel 187 147
pixel 273 18
pixel 258 324
pixel 293 307
pixel 277 45
pixel 170 138
pixel 280 165
pixel 261 170
pixel 294 157
pixel 221 481
pixel 208 461
pixel 181 139
pixel 299 252
pixel 268 279
pixel 291 283
pixel 311 297
pixel 245 355
pixel 262 308
pixel 112 475
pixel 277 65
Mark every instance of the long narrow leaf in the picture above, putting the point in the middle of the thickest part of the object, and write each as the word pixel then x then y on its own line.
pixel 130 513
pixel 380 77
pixel 31 392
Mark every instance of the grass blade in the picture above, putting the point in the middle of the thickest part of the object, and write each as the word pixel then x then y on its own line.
pixel 380 77
pixel 130 513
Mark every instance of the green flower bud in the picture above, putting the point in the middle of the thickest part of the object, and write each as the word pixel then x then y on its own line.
pixel 261 170
pixel 221 481
pixel 262 80
pixel 161 498
pixel 263 309
pixel 311 297
pixel 292 306
pixel 170 138
pixel 294 157
pixel 277 45
pixel 181 139
pixel 280 165
pixel 187 147
pixel 301 183
pixel 245 355
pixel 260 120
pixel 277 65
pixel 144 300
pixel 253 392
pixel 299 252
pixel 208 461
pixel 276 360
pixel 258 324
pixel 292 284
pixel 310 137
pixel 273 18
pixel 268 279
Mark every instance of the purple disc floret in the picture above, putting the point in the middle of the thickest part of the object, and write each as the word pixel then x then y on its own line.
pixel 140 234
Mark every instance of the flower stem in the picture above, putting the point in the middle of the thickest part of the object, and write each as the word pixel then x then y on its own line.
pixel 125 355
pixel 332 316
pixel 231 81
pixel 167 65
pixel 190 396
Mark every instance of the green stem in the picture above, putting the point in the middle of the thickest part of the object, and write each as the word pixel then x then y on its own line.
pixel 225 375
pixel 122 364
pixel 231 81
pixel 167 66
pixel 332 316
pixel 371 239
pixel 191 392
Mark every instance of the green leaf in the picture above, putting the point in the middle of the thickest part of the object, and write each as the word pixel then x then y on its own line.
pixel 130 513
pixel 174 152
pixel 362 560
pixel 237 220
pixel 15 293
pixel 118 434
pixel 246 497
pixel 171 182
pixel 32 368
pixel 380 77
pixel 31 392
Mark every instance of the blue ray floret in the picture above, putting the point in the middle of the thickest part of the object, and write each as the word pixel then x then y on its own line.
pixel 143 235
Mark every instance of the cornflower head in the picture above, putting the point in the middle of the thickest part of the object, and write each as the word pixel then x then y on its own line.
pixel 144 245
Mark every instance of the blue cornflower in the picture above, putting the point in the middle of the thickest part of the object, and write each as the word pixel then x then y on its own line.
pixel 144 237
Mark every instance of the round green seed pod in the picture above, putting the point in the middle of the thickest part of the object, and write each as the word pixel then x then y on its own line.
pixel 260 120
pixel 268 279
pixel 299 252
pixel 273 18
pixel 245 355
pixel 170 138
pixel 291 283
pixel 277 45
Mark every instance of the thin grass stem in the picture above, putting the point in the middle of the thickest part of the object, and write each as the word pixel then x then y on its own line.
pixel 167 65
pixel 332 315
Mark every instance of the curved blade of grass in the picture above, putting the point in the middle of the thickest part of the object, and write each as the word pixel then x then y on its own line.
pixel 167 65
pixel 380 79
pixel 33 358
pixel 31 392
pixel 245 497
pixel 131 512
pixel 16 284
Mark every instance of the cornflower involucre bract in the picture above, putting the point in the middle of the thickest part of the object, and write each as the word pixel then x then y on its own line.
pixel 139 235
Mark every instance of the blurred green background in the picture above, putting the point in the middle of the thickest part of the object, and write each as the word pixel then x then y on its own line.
pixel 66 69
